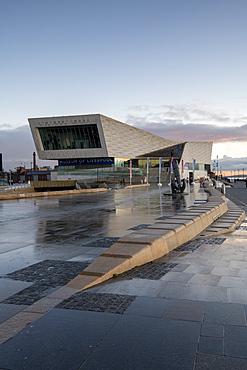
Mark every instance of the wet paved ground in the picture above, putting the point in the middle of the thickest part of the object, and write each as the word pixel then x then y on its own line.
pixel 186 310
pixel 77 228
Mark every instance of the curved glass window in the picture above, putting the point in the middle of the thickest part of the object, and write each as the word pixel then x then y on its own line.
pixel 70 137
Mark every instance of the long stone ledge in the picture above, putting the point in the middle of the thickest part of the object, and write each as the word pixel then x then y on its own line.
pixel 49 193
pixel 152 242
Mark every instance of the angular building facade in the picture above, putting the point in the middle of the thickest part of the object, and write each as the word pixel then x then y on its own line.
pixel 86 143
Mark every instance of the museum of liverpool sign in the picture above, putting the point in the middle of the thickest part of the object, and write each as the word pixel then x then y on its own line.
pixel 86 161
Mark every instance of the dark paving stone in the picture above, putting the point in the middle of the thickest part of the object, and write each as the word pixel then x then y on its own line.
pixel 194 244
pixel 236 341
pixel 49 272
pixel 138 227
pixel 9 310
pixel 144 343
pixel 211 345
pixel 225 314
pixel 217 241
pixel 60 340
pixel 179 309
pixel 163 217
pixel 214 362
pixel 30 295
pixel 47 277
pixel 148 306
pixel 212 330
pixel 99 302
pixel 150 271
pixel 191 245
pixel 103 242
pixel 241 227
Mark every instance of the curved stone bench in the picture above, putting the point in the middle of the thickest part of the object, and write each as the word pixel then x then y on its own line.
pixel 152 242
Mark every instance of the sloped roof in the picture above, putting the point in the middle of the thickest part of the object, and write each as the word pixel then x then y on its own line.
pixel 166 152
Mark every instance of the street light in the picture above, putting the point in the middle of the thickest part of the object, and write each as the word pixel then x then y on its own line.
pixel 10 180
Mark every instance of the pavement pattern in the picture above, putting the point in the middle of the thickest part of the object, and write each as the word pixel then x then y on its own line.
pixel 186 310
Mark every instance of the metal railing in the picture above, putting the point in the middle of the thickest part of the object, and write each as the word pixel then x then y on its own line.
pixel 12 187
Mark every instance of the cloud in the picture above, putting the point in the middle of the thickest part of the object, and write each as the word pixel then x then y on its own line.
pixel 17 147
pixel 231 164
pixel 190 122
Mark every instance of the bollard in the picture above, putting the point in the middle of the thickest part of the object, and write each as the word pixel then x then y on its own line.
pixel 223 189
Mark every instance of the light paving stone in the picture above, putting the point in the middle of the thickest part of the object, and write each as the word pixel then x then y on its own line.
pixel 236 295
pixel 138 287
pixel 238 264
pixel 233 257
pixel 209 262
pixel 207 256
pixel 225 271
pixel 194 269
pixel 177 276
pixel 208 248
pixel 203 279
pixel 233 282
pixel 181 267
pixel 63 292
pixel 43 305
pixel 194 292
pixel 242 273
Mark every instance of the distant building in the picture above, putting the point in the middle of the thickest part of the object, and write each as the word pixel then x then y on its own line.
pixel 96 147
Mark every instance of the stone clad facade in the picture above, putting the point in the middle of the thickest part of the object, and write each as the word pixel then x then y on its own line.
pixel 96 141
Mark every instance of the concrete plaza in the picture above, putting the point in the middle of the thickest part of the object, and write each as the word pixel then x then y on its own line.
pixel 186 310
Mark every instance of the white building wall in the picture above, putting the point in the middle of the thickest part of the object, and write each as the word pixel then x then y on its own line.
pixel 201 151
pixel 125 141
pixel 35 123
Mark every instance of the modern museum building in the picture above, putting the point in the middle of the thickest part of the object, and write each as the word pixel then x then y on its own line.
pixel 94 147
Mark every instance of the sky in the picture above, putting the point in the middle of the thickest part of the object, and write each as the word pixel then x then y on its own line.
pixel 173 68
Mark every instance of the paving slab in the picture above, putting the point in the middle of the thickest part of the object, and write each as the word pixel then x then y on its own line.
pixel 61 339
pixel 147 343
pixel 9 310
pixel 148 306
pixel 205 361
pixel 9 287
pixel 139 287
pixel 236 341
pixel 181 320
pixel 225 313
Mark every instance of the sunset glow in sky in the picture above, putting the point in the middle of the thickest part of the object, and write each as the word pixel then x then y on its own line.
pixel 174 68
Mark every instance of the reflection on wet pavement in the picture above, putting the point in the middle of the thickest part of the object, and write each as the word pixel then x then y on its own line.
pixel 63 228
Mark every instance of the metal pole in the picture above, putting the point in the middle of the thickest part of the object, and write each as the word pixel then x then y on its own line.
pixel 148 160
pixel 130 172
pixel 160 169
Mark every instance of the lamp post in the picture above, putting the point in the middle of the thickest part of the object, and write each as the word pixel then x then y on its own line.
pixel 10 180
pixel 160 170
pixel 148 164
pixel 217 165
pixel 130 173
